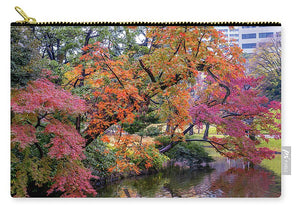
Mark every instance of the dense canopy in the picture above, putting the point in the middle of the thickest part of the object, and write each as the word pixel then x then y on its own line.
pixel 98 86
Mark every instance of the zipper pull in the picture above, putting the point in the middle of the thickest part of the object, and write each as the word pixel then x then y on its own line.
pixel 27 20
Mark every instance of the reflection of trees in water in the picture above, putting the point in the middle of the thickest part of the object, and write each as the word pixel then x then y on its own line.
pixel 238 182
pixel 222 181
pixel 141 186
pixel 182 182
pixel 172 182
pixel 234 179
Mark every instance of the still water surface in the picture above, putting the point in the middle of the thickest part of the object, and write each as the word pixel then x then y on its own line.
pixel 222 179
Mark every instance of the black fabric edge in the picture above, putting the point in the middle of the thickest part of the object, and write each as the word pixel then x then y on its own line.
pixel 149 24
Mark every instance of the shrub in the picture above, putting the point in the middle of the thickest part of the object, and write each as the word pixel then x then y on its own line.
pixel 100 158
pixel 192 152
pixel 157 159
pixel 152 131
pixel 140 123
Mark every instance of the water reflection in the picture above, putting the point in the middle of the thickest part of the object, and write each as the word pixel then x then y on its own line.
pixel 222 179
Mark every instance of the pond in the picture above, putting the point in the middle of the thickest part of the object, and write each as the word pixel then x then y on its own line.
pixel 222 178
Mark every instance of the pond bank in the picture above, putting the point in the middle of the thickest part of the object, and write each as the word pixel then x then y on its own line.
pixel 220 179
pixel 108 180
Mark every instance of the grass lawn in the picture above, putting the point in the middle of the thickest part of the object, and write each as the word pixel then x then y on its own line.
pixel 273 144
pixel 273 165
pixel 208 148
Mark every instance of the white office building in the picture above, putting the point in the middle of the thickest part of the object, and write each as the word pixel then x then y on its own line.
pixel 250 37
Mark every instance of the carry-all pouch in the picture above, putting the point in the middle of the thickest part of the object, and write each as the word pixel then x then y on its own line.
pixel 145 109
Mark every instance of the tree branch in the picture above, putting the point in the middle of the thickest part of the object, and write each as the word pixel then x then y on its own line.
pixel 212 144
pixel 173 143
pixel 220 84
pixel 176 51
pixel 40 149
pixel 113 72
pixel 227 92
pixel 150 74
pixel 154 102
pixel 199 43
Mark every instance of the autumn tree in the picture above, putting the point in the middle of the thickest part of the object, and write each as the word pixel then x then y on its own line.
pixel 244 120
pixel 37 132
pixel 46 148
pixel 165 76
pixel 266 62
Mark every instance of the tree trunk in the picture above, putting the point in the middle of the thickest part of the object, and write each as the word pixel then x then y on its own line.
pixel 167 127
pixel 78 118
pixel 205 135
pixel 191 132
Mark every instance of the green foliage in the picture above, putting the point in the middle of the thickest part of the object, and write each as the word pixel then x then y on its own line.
pixel 29 173
pixel 266 62
pixel 151 131
pixel 192 152
pixel 26 61
pixel 100 158
pixel 55 48
pixel 81 91
pixel 164 140
pixel 134 127
pixel 159 159
pixel 273 89
pixel 32 171
pixel 140 123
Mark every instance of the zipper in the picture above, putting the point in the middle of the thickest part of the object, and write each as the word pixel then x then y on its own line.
pixel 27 19
pixel 32 21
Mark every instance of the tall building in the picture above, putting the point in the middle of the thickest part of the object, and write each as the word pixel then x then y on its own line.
pixel 250 37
